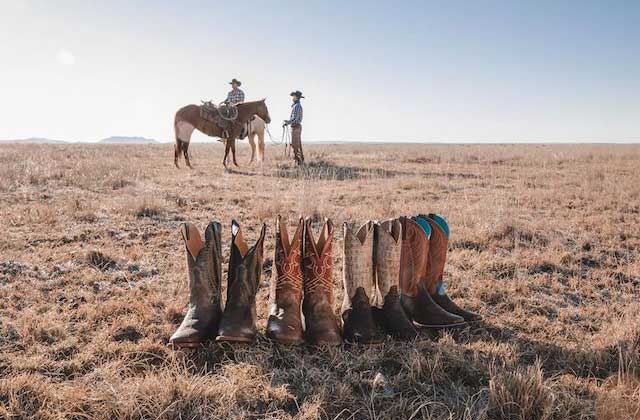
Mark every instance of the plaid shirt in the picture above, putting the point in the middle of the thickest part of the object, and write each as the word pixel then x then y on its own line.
pixel 296 113
pixel 235 96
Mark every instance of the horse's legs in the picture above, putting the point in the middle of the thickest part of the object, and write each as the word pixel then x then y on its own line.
pixel 185 151
pixel 233 152
pixel 176 154
pixel 261 147
pixel 227 147
pixel 252 143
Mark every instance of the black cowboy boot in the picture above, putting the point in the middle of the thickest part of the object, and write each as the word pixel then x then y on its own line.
pixel 205 273
pixel 245 267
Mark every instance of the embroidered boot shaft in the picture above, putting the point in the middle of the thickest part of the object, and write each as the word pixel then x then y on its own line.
pixel 204 269
pixel 321 323
pixel 285 298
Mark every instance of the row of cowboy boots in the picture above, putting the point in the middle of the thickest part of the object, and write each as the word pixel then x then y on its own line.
pixel 393 279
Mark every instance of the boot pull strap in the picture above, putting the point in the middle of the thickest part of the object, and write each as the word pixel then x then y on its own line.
pixel 192 239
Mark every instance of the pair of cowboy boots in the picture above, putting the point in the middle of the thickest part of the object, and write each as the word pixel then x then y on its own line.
pixel 303 286
pixel 424 251
pixel 205 318
pixel 372 256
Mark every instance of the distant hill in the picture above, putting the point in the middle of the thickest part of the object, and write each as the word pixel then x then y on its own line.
pixel 36 140
pixel 127 140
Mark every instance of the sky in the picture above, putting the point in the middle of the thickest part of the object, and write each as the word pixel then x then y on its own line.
pixel 404 71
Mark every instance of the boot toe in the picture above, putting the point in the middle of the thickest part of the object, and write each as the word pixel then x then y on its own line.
pixel 284 334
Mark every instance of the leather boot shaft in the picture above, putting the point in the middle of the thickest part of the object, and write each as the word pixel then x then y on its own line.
pixel 321 323
pixel 359 286
pixel 387 310
pixel 204 270
pixel 438 245
pixel 415 298
pixel 285 324
pixel 245 267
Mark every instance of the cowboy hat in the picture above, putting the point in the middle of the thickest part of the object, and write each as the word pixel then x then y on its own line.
pixel 297 93
pixel 236 81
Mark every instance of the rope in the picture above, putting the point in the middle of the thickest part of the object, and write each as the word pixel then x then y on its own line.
pixel 285 139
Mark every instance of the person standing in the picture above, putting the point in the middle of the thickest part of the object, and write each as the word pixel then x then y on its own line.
pixel 236 95
pixel 295 121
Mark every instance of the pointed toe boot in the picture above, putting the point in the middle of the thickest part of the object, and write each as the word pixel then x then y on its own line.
pixel 359 286
pixel 204 269
pixel 245 267
pixel 438 244
pixel 285 324
pixel 415 298
pixel 388 311
pixel 321 324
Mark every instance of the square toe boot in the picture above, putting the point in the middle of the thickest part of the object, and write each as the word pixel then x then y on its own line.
pixel 238 322
pixel 415 297
pixel 359 286
pixel 321 324
pixel 285 324
pixel 388 311
pixel 204 269
pixel 438 244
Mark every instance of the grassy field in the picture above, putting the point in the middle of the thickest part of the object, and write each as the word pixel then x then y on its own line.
pixel 545 244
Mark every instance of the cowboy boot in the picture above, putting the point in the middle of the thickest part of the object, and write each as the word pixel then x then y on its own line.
pixel 321 323
pixel 438 244
pixel 415 297
pixel 358 277
pixel 388 310
pixel 285 324
pixel 245 266
pixel 205 274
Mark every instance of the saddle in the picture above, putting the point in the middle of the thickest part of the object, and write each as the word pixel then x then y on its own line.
pixel 223 115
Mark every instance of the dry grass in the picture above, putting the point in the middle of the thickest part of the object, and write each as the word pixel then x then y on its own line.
pixel 545 244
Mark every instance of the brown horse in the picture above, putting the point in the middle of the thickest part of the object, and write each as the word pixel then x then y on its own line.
pixel 188 118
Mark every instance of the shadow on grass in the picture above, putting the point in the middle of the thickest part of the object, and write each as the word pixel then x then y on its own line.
pixel 321 170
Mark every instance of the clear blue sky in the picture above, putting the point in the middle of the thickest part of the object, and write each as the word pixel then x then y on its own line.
pixel 391 71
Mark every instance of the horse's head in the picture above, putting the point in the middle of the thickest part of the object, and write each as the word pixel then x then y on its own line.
pixel 263 112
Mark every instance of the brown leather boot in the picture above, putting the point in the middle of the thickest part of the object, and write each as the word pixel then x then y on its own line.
pixel 245 267
pixel 205 276
pixel 438 244
pixel 388 311
pixel 359 286
pixel 285 324
pixel 322 328
pixel 415 298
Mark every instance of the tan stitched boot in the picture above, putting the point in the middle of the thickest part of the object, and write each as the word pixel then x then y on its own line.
pixel 438 245
pixel 205 272
pixel 359 287
pixel 388 311
pixel 245 267
pixel 415 298
pixel 321 323
pixel 285 323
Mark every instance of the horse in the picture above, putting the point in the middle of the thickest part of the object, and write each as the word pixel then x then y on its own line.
pixel 188 118
pixel 256 128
